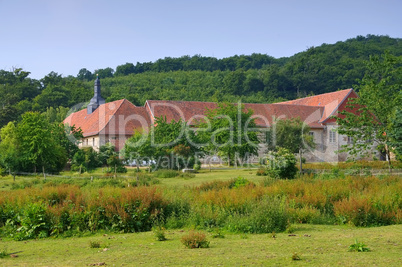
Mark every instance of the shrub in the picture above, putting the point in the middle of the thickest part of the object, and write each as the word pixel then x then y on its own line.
pixel 34 222
pixel 166 173
pixel 360 211
pixel 358 247
pixel 265 216
pixel 304 214
pixel 218 233
pixel 215 185
pixel 295 257
pixel 282 164
pixel 197 167
pixel 195 240
pixel 3 253
pixel 159 233
pixel 94 244
pixel 261 172
pixel 144 180
pixel 240 181
pixel 186 175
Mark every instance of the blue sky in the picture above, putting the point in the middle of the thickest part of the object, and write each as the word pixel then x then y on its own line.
pixel 66 35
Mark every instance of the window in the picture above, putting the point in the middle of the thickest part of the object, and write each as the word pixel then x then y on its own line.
pixel 93 141
pixel 87 141
pixel 332 136
pixel 311 133
pixel 350 140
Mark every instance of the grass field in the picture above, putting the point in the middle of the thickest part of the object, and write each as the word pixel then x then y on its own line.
pixel 316 245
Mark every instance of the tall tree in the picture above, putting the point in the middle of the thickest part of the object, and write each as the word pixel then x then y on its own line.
pixel 139 148
pixel 229 131
pixel 38 147
pixel 369 119
pixel 105 73
pixel 9 157
pixel 85 75
pixel 170 139
pixel 395 134
pixel 292 134
pixel 126 69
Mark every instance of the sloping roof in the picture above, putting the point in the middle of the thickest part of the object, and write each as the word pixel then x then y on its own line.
pixel 117 117
pixel 331 102
pixel 265 114
pixel 121 117
pixel 176 110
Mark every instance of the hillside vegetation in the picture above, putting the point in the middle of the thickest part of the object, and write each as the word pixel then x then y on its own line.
pixel 254 78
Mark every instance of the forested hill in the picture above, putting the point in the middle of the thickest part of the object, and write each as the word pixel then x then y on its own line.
pixel 255 78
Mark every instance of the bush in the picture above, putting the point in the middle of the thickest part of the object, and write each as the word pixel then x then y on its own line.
pixel 159 233
pixel 94 244
pixel 240 181
pixel 3 253
pixel 144 180
pixel 166 173
pixel 262 172
pixel 197 167
pixel 34 222
pixel 359 247
pixel 195 240
pixel 267 216
pixel 282 164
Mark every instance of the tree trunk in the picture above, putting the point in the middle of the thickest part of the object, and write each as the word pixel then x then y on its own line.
pixel 115 171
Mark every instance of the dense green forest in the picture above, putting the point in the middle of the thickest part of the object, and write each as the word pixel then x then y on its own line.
pixel 254 78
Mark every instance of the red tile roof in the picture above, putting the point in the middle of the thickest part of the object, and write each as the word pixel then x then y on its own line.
pixel 117 117
pixel 265 114
pixel 331 102
pixel 122 117
pixel 188 111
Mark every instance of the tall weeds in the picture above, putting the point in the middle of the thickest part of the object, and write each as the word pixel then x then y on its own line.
pixel 236 205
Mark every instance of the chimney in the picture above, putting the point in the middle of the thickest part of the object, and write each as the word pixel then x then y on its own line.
pixel 97 100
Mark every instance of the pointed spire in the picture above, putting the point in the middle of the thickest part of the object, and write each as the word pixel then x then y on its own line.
pixel 97 100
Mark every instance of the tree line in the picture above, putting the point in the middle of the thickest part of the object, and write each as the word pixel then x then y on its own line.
pixel 255 78
pixel 40 141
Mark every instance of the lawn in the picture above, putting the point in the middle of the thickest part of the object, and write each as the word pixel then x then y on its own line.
pixel 327 200
pixel 315 245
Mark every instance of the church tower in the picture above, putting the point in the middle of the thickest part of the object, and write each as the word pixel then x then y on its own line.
pixel 97 100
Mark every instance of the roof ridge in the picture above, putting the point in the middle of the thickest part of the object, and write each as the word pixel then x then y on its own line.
pixel 182 101
pixel 319 95
pixel 110 117
pixel 339 104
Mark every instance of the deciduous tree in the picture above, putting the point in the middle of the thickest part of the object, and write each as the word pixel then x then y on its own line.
pixel 37 146
pixel 292 134
pixel 229 131
pixel 370 115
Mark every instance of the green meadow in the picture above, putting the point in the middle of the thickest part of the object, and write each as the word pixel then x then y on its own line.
pixel 96 219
